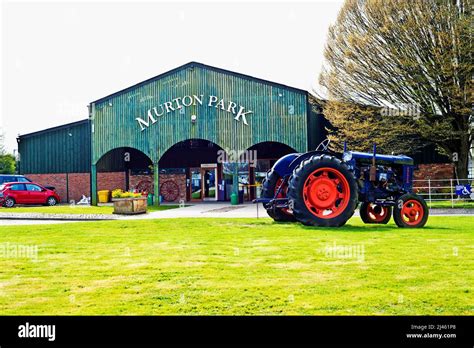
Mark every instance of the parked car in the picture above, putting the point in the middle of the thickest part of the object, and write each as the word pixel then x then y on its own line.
pixel 4 178
pixel 26 193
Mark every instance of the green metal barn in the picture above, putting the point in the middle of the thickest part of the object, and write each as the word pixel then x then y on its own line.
pixel 193 133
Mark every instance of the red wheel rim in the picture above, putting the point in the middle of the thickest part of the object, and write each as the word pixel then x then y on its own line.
pixel 282 194
pixel 326 193
pixel 376 213
pixel 412 212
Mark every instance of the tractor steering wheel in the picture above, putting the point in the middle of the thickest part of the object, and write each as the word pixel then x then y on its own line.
pixel 324 145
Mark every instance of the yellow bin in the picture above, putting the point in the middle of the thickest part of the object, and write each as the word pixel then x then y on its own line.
pixel 103 196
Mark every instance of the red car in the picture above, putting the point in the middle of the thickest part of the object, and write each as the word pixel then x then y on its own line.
pixel 26 193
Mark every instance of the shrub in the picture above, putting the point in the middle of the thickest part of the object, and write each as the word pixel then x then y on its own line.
pixel 118 193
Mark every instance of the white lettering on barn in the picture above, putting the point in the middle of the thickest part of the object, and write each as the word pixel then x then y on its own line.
pixel 239 111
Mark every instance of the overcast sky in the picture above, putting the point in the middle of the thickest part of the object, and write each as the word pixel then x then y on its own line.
pixel 59 56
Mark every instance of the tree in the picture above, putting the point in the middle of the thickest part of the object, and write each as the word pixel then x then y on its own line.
pixel 7 164
pixel 7 161
pixel 400 73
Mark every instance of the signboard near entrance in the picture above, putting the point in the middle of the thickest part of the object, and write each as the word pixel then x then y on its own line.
pixel 208 165
pixel 180 103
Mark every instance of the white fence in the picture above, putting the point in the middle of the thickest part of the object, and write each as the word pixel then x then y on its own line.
pixel 433 190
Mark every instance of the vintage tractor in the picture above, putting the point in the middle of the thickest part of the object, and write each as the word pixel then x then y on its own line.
pixel 323 188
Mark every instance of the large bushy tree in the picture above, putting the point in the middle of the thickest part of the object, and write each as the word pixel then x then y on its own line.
pixel 7 164
pixel 400 73
pixel 7 161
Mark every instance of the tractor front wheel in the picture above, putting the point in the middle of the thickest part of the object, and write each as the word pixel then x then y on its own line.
pixel 372 213
pixel 323 192
pixel 269 189
pixel 410 211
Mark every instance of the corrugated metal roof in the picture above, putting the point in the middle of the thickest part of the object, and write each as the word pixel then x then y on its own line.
pixel 196 64
pixel 55 128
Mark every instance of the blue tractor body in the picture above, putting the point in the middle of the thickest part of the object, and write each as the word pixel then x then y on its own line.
pixel 322 188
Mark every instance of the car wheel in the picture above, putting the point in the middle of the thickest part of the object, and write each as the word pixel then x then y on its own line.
pixel 9 202
pixel 51 201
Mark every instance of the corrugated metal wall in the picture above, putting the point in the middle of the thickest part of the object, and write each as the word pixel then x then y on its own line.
pixel 279 113
pixel 56 150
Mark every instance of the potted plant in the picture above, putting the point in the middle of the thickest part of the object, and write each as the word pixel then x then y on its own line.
pixel 128 202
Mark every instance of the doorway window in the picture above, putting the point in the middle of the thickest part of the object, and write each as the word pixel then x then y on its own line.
pixel 209 183
pixel 196 181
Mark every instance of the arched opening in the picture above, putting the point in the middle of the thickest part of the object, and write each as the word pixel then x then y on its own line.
pixel 262 157
pixel 116 167
pixel 191 170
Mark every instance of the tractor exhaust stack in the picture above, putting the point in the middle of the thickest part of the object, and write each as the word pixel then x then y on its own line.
pixel 373 168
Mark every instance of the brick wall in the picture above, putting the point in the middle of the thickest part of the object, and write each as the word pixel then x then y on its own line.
pixel 110 181
pixel 79 184
pixel 434 171
pixel 143 182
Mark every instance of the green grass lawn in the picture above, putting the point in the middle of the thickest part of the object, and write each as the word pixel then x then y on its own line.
pixel 74 209
pixel 238 266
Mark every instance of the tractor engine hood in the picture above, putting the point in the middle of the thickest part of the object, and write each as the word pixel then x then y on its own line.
pixel 367 157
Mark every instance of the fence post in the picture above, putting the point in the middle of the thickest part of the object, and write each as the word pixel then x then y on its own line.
pixel 429 191
pixel 452 193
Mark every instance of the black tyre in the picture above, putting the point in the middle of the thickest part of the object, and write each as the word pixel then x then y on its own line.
pixel 410 211
pixel 9 202
pixel 323 192
pixel 269 187
pixel 51 201
pixel 372 213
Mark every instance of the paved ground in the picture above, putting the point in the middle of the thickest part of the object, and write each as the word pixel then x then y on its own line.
pixel 214 209
pixel 211 209
pixel 9 222
pixel 225 210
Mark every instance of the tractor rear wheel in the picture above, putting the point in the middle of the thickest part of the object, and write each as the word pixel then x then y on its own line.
pixel 372 213
pixel 323 192
pixel 269 188
pixel 410 211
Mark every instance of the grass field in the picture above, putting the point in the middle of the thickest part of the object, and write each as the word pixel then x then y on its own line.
pixel 238 266
pixel 74 209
